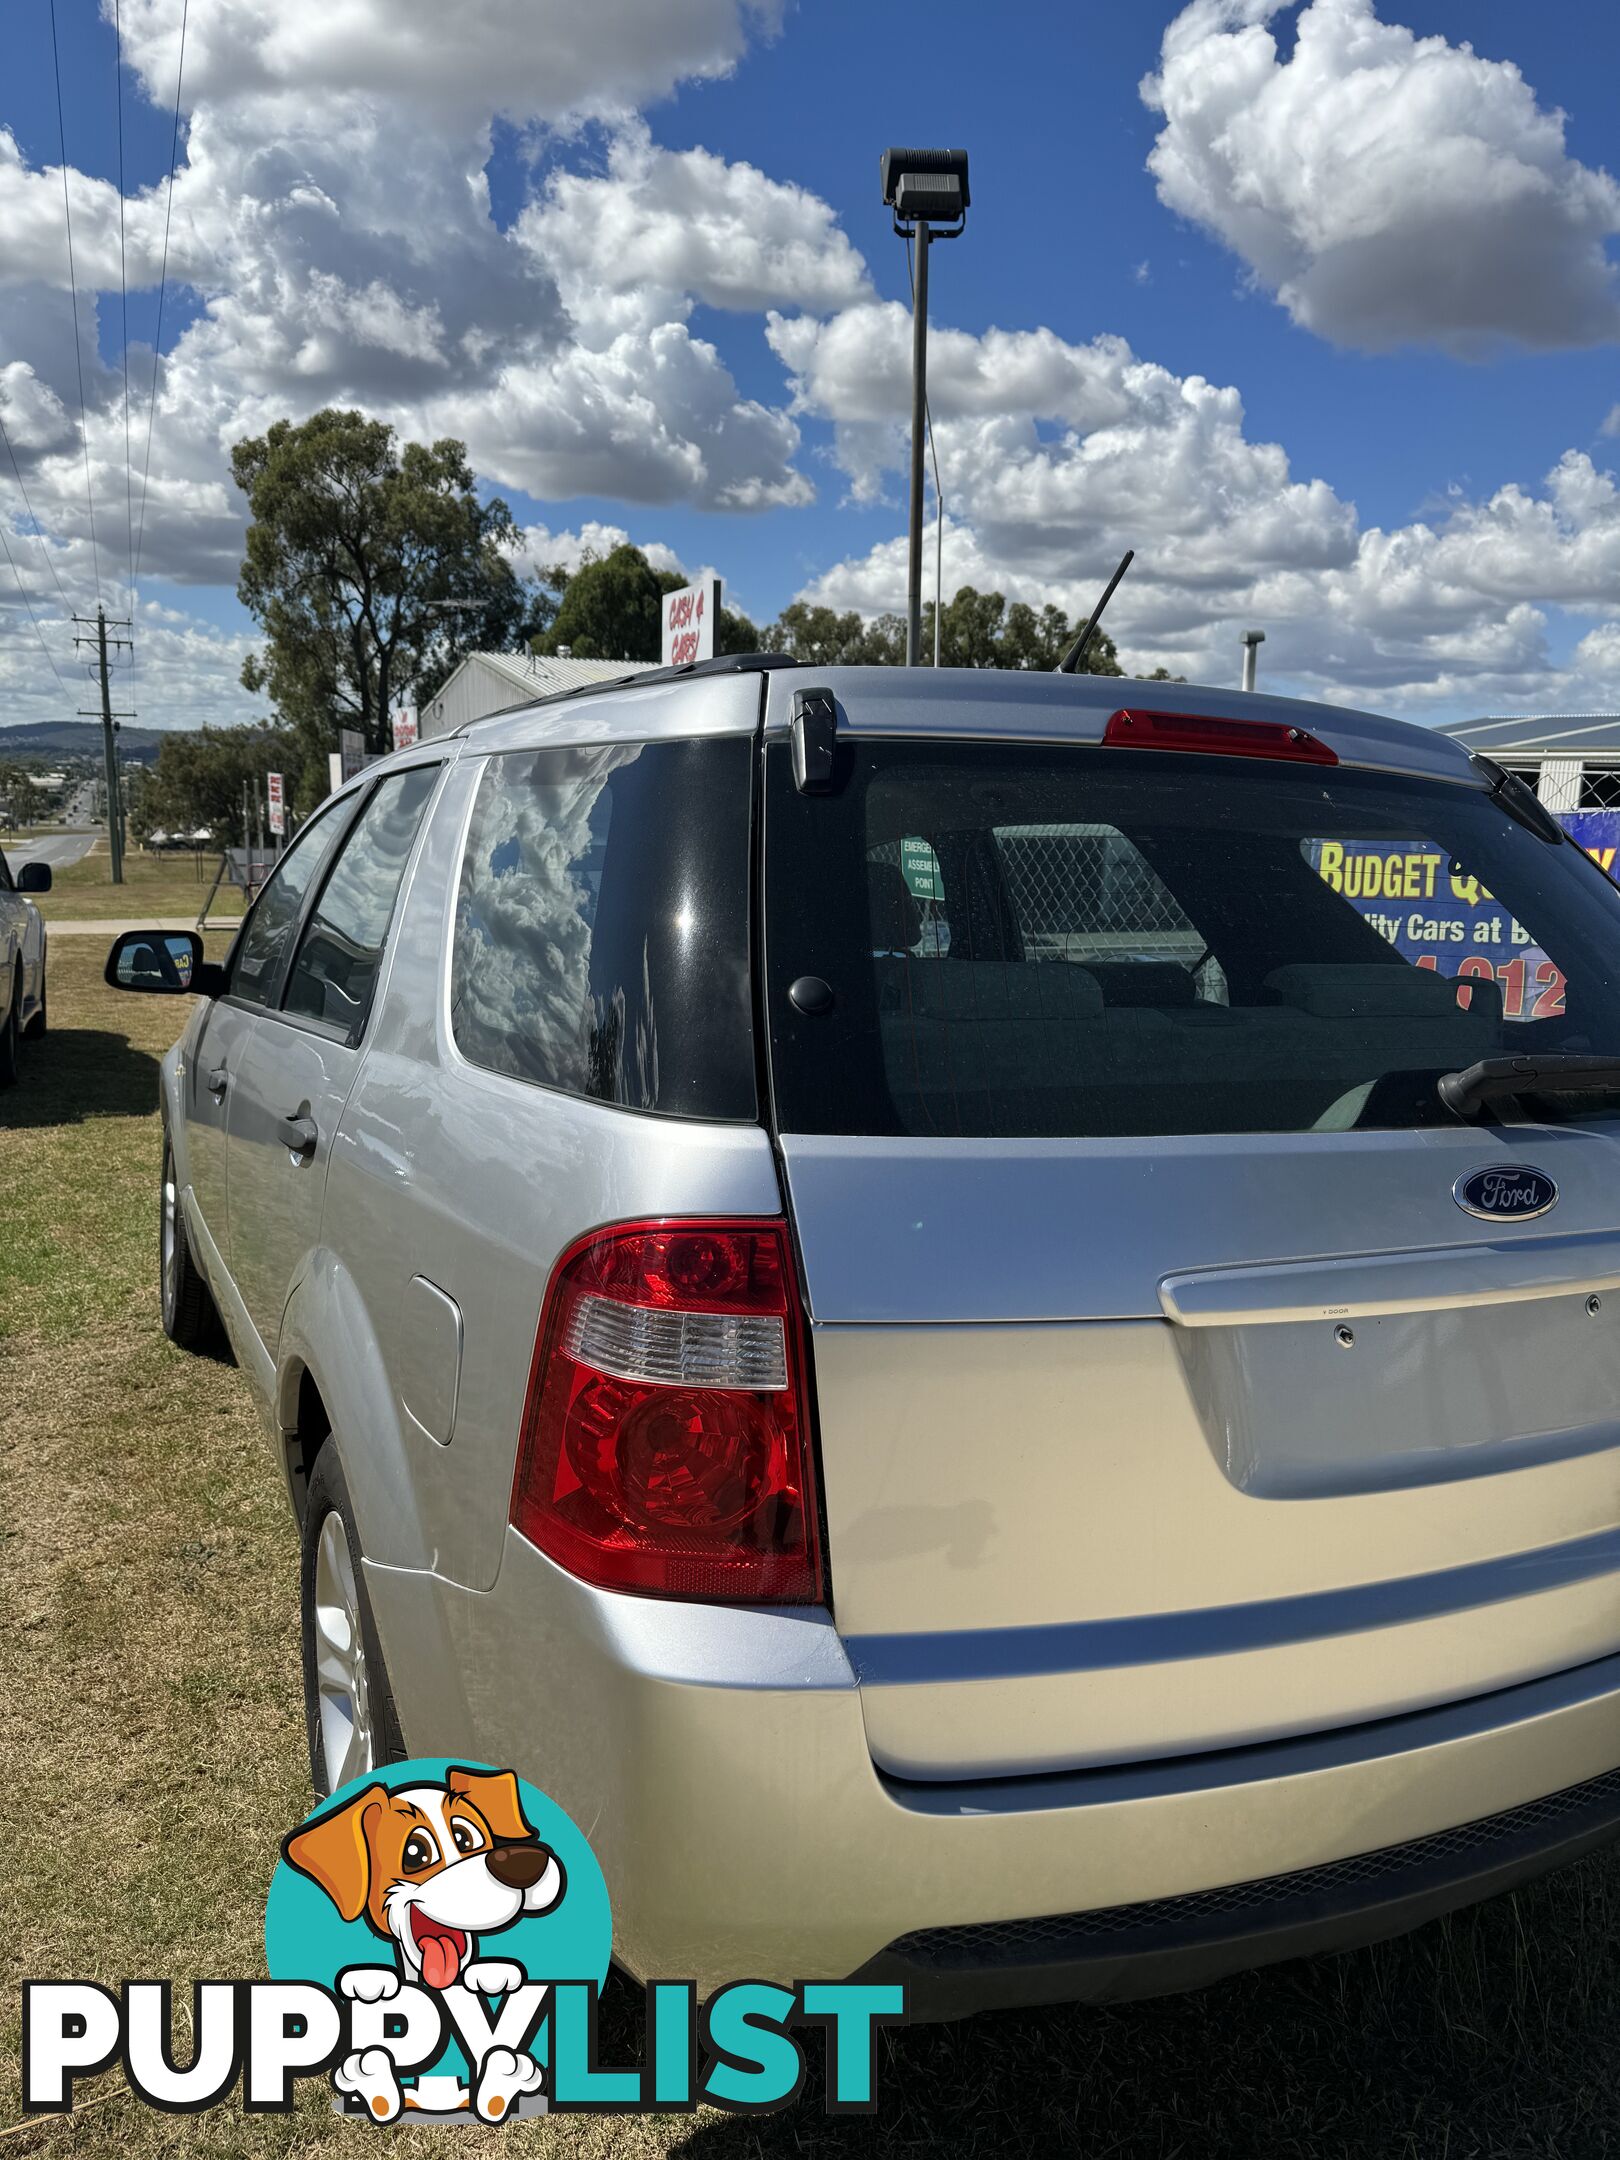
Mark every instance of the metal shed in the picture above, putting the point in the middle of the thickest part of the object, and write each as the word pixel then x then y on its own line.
pixel 489 682
pixel 1571 759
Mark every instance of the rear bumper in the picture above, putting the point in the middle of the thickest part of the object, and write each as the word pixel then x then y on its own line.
pixel 1170 1944
pixel 718 1761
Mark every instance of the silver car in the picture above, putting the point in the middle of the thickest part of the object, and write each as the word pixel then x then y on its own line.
pixel 23 1003
pixel 978 1318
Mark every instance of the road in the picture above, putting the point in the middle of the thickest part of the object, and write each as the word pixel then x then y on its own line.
pixel 57 849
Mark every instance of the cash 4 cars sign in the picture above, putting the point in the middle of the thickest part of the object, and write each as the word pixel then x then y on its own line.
pixel 691 621
pixel 1440 917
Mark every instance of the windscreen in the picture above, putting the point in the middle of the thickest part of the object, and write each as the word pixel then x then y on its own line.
pixel 1075 942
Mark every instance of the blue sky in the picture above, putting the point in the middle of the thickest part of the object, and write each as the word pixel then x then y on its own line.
pixel 1415 419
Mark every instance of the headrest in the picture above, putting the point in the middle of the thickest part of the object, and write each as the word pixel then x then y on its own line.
pixel 1367 991
pixel 895 916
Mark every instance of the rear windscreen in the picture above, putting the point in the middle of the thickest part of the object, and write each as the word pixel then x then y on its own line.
pixel 1084 941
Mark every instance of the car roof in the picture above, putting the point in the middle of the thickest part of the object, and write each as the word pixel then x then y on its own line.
pixel 738 694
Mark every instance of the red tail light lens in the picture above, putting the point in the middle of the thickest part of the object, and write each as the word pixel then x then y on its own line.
pixel 1137 730
pixel 665 1444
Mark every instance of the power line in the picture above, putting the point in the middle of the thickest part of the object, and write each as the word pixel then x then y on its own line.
pixel 39 530
pixel 123 297
pixel 163 279
pixel 29 605
pixel 73 288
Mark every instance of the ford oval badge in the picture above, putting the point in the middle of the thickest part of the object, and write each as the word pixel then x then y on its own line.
pixel 1511 1193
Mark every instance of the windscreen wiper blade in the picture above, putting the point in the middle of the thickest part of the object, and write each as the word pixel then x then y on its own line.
pixel 1555 1072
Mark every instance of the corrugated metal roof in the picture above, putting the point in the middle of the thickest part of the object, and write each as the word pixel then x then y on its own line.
pixel 543 674
pixel 1550 735
pixel 488 682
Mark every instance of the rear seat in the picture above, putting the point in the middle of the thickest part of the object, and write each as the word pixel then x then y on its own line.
pixel 1019 1031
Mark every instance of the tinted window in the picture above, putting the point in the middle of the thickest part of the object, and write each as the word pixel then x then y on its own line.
pixel 268 932
pixel 601 939
pixel 342 946
pixel 1076 942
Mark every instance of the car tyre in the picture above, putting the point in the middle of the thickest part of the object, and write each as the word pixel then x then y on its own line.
pixel 349 1712
pixel 11 1036
pixel 190 1317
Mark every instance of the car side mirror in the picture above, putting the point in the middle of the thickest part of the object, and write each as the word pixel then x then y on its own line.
pixel 166 963
pixel 34 877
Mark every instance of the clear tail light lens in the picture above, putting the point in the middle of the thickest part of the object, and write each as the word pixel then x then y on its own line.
pixel 665 1444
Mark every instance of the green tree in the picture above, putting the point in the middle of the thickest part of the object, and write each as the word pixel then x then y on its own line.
pixel 371 570
pixel 824 638
pixel 610 609
pixel 979 630
pixel 198 780
pixel 20 798
pixel 736 634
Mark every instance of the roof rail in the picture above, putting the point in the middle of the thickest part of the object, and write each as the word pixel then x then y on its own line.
pixel 722 664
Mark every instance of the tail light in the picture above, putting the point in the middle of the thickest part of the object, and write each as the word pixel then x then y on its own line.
pixel 1138 730
pixel 666 1442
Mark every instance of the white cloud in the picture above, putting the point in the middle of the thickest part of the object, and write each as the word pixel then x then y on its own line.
pixel 546 60
pixel 1387 188
pixel 338 237
pixel 660 229
pixel 539 549
pixel 334 238
pixel 1088 450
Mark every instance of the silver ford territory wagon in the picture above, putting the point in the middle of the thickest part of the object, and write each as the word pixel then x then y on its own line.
pixel 949 1303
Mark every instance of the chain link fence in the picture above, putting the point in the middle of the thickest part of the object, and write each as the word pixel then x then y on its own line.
pixel 1080 893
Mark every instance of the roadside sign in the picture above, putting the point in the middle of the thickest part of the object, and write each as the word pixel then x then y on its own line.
pixel 405 729
pixel 1439 917
pixel 276 798
pixel 691 620
pixel 334 773
pixel 351 751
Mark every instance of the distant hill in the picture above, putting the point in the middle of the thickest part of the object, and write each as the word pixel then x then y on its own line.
pixel 78 738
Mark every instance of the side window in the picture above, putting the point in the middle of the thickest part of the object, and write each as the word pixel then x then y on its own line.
pixel 342 946
pixel 601 942
pixel 256 963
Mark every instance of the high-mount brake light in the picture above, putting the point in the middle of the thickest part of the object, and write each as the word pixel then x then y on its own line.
pixel 666 1434
pixel 1137 730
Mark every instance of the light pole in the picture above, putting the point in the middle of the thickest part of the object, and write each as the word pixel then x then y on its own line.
pixel 927 190
pixel 1252 642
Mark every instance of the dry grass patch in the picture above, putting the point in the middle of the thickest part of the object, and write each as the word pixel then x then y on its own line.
pixel 164 888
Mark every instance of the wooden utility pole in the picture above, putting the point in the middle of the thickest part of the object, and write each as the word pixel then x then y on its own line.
pixel 96 635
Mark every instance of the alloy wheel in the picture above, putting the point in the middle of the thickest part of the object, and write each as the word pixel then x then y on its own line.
pixel 347 1742
pixel 167 1240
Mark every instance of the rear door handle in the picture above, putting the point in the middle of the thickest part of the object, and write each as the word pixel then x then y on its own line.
pixel 216 1081
pixel 298 1136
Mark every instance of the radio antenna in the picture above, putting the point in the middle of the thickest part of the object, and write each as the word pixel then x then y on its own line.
pixel 1070 663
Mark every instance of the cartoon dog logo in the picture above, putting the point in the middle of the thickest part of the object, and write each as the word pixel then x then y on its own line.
pixel 432 1870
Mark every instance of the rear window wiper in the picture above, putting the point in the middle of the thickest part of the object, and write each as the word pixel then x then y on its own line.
pixel 1556 1072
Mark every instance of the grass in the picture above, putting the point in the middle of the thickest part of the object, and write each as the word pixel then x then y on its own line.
pixel 162 887
pixel 151 1751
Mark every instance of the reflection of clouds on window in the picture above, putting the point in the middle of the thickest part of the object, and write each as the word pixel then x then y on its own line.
pixel 521 998
pixel 601 942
